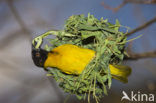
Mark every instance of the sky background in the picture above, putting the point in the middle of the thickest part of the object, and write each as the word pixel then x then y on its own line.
pixel 22 82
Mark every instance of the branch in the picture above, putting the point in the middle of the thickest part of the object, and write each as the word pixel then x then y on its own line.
pixel 114 9
pixel 136 56
pixel 140 1
pixel 126 2
pixel 142 26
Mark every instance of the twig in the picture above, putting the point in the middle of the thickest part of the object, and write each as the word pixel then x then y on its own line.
pixel 142 26
pixel 140 1
pixel 126 2
pixel 129 47
pixel 136 56
pixel 113 9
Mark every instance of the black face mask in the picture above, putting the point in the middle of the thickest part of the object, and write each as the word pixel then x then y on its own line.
pixel 39 56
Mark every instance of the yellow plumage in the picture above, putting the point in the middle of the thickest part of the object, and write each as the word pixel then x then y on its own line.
pixel 72 59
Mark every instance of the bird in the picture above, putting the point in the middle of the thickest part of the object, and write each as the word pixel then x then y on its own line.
pixel 72 60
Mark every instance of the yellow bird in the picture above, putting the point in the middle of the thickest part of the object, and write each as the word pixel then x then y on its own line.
pixel 72 59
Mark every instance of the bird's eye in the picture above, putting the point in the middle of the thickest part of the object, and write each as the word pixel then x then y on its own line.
pixel 37 54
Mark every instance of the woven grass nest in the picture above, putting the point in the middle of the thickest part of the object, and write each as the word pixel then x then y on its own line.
pixel 98 35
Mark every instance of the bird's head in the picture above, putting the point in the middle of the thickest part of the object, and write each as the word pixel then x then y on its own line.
pixel 39 56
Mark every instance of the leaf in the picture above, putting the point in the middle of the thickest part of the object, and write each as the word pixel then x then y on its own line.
pixel 79 97
pixel 117 25
pixel 49 74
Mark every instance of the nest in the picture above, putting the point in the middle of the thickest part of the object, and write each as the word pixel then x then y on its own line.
pixel 98 35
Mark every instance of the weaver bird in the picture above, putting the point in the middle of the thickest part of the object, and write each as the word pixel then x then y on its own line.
pixel 72 59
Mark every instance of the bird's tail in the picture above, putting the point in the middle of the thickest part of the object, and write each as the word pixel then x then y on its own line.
pixel 120 72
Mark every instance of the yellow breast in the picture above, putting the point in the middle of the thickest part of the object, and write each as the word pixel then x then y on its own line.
pixel 70 59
